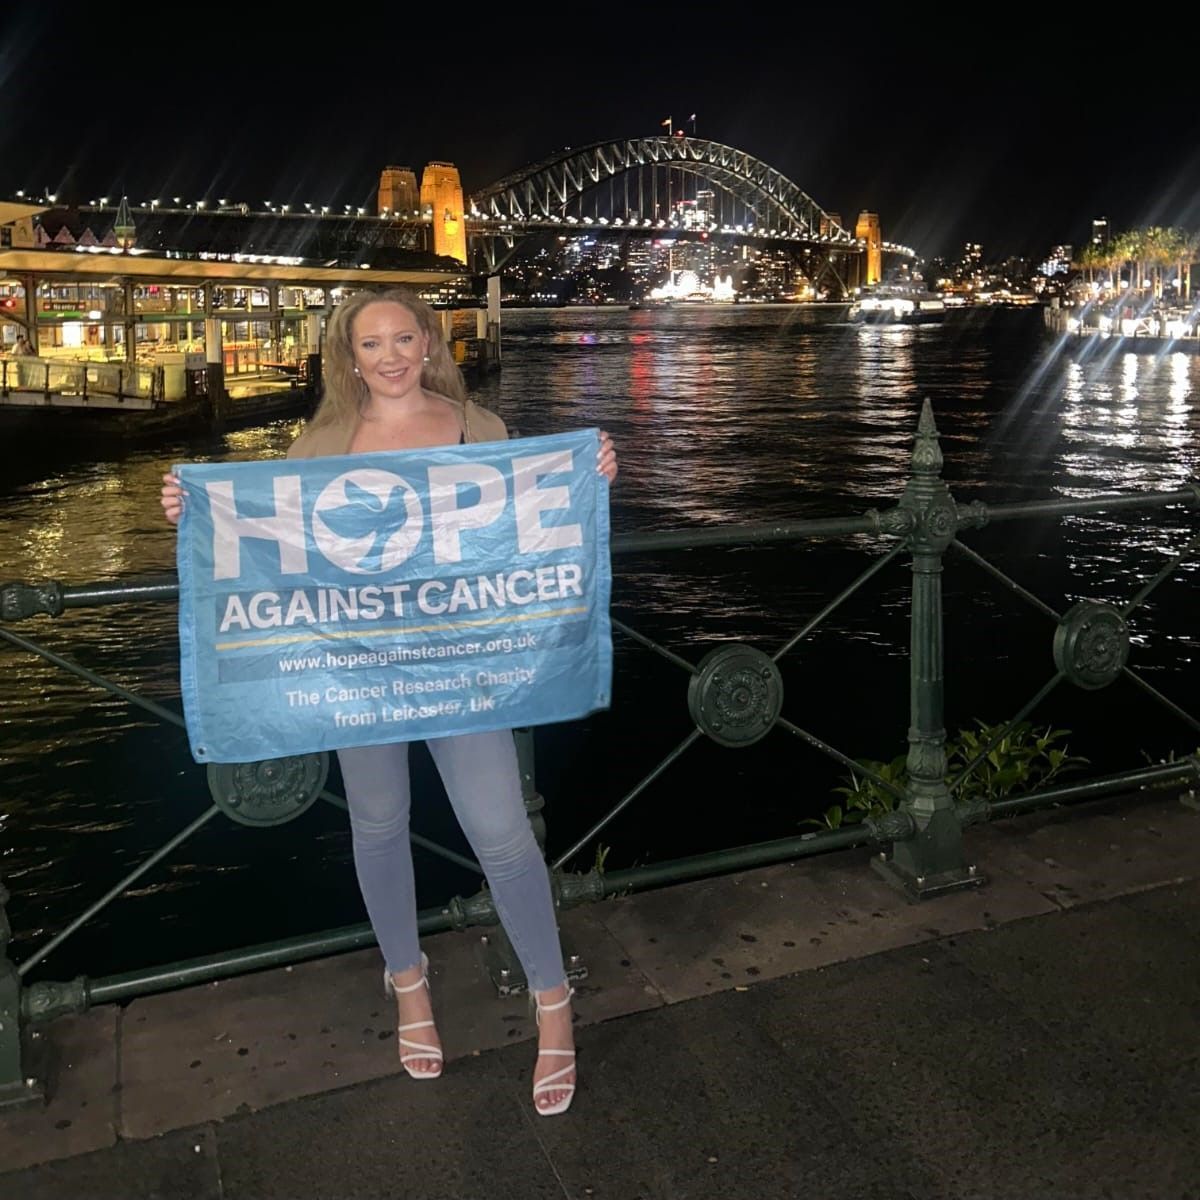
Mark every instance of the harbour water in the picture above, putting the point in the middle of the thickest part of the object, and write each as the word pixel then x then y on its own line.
pixel 721 415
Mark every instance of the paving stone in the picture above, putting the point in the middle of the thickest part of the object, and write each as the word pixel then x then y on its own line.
pixel 696 1100
pixel 206 1052
pixel 698 938
pixel 615 985
pixel 461 1137
pixel 1078 857
pixel 930 1060
pixel 1109 977
pixel 175 1166
pixel 1174 905
pixel 472 1017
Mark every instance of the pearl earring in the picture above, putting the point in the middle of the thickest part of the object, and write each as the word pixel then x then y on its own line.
pixel 426 358
pixel 357 371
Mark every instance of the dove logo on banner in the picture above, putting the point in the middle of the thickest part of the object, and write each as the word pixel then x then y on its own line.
pixel 379 499
pixel 372 598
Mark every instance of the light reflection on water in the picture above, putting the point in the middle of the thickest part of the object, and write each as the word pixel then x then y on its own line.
pixel 1139 435
pixel 720 416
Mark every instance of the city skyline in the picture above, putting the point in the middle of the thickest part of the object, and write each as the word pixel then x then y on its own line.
pixel 1015 151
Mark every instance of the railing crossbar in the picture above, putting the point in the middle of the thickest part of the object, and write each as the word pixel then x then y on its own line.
pixel 1010 583
pixel 93 595
pixel 1168 703
pixel 824 747
pixel 650 644
pixel 837 601
pixel 118 988
pixel 1028 707
pixel 1180 772
pixel 740 535
pixel 1140 596
pixel 624 802
pixel 157 710
pixel 116 890
pixel 166 587
pixel 1109 503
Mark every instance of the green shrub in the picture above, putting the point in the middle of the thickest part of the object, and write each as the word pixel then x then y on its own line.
pixel 1024 759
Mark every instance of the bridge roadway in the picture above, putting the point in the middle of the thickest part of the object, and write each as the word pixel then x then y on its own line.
pixel 796 1031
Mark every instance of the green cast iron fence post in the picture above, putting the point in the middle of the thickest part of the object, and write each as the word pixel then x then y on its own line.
pixel 930 861
pixel 15 1086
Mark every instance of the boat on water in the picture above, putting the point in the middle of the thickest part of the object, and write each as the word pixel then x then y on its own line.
pixel 906 303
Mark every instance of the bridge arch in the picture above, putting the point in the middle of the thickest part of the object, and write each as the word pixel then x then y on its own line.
pixel 543 190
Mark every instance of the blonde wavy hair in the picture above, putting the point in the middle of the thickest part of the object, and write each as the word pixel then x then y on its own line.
pixel 344 394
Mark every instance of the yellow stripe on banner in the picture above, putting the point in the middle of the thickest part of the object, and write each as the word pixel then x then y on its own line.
pixel 393 632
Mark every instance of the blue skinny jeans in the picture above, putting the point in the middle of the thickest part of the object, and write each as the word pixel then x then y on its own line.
pixel 479 771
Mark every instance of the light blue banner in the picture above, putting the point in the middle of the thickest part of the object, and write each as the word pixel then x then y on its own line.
pixel 373 598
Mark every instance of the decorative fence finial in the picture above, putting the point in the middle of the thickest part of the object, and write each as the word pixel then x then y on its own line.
pixel 927 454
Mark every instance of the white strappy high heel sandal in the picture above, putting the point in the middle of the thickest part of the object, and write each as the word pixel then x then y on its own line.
pixel 550 1082
pixel 416 1049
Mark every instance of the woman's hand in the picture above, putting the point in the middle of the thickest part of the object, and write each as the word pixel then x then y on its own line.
pixel 172 498
pixel 606 462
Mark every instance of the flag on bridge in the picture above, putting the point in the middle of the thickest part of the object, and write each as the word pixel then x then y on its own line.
pixel 373 598
pixel 668 122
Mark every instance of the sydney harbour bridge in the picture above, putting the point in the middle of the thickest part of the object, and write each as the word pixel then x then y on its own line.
pixel 649 187
pixel 666 188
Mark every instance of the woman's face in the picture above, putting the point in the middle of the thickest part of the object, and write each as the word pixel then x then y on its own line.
pixel 389 349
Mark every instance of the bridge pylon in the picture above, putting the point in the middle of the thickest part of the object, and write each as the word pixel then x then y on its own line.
pixel 441 193
pixel 867 231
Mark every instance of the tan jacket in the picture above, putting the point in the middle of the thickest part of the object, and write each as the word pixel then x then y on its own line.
pixel 478 425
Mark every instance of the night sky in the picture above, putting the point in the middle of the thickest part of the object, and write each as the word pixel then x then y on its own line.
pixel 1014 136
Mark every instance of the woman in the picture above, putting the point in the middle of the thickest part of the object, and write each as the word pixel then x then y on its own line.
pixel 390 384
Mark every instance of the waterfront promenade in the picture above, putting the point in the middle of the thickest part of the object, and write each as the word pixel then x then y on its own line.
pixel 795 1031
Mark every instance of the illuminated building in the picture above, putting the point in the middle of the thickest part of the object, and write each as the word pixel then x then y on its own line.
pixel 642 256
pixel 1100 232
pixel 695 214
pixel 686 285
pixel 773 274
pixel 1058 261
